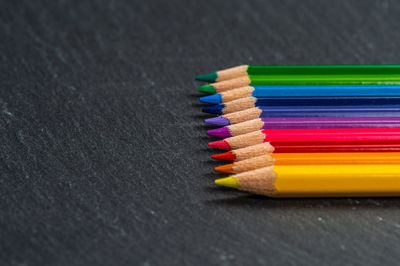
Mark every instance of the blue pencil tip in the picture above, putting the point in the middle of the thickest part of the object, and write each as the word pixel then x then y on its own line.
pixel 214 99
pixel 215 109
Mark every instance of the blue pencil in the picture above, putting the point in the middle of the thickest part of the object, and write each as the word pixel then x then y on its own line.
pixel 249 102
pixel 306 111
pixel 302 91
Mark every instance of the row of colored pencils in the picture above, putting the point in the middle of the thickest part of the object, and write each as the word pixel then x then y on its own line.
pixel 307 130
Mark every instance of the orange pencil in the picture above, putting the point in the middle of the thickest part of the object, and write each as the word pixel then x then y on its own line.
pixel 310 158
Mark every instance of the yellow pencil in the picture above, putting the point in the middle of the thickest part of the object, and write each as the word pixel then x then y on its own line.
pixel 319 181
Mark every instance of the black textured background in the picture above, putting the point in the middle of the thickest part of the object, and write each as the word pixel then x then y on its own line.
pixel 103 150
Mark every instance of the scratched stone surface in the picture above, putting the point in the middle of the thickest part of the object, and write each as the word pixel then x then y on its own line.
pixel 103 151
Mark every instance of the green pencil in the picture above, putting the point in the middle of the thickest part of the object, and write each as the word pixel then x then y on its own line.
pixel 246 70
pixel 265 80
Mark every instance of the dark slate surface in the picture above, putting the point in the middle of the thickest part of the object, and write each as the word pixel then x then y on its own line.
pixel 103 150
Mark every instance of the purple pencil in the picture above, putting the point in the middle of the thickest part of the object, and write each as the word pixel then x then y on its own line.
pixel 304 122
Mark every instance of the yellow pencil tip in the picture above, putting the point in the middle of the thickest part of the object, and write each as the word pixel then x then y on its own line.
pixel 229 181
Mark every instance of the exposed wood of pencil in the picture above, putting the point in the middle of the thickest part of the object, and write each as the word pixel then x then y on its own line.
pixel 304 80
pixel 246 127
pixel 236 94
pixel 310 158
pixel 239 105
pixel 246 153
pixel 231 84
pixel 358 135
pixel 242 116
pixel 319 180
pixel 308 122
pixel 233 72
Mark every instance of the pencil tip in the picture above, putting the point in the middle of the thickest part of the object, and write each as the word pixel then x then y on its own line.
pixel 215 109
pixel 226 156
pixel 217 121
pixel 207 89
pixel 220 144
pixel 210 77
pixel 227 168
pixel 219 132
pixel 214 99
pixel 229 181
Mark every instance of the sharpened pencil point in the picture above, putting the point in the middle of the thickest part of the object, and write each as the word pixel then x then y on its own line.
pixel 226 156
pixel 215 109
pixel 229 181
pixel 207 89
pixel 217 121
pixel 227 168
pixel 219 132
pixel 210 77
pixel 220 144
pixel 214 99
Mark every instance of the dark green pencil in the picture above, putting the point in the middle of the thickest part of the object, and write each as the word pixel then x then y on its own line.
pixel 289 80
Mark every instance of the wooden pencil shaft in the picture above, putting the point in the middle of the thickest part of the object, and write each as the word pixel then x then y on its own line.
pixel 316 159
pixel 375 104
pixel 261 80
pixel 322 69
pixel 305 69
pixel 303 91
pixel 312 122
pixel 314 135
pixel 262 112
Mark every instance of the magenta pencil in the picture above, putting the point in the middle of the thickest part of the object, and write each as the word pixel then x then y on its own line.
pixel 304 122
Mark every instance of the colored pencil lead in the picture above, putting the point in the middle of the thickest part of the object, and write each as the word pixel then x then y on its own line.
pixel 220 132
pixel 213 99
pixel 230 181
pixel 210 77
pixel 207 89
pixel 219 144
pixel 215 109
pixel 217 121
pixel 226 156
pixel 226 168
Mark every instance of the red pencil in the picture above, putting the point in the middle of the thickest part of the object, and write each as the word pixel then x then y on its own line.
pixel 310 136
pixel 293 147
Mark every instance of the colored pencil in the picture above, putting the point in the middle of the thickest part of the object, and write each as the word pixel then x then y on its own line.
pixel 245 153
pixel 245 103
pixel 246 70
pixel 300 80
pixel 306 147
pixel 304 111
pixel 308 135
pixel 309 158
pixel 319 180
pixel 302 91
pixel 304 122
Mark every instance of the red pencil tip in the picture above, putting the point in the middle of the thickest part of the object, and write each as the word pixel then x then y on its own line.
pixel 220 144
pixel 227 156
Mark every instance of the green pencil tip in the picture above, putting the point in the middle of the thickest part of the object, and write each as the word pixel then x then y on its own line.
pixel 229 181
pixel 207 89
pixel 211 77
